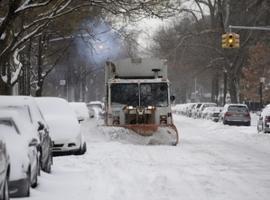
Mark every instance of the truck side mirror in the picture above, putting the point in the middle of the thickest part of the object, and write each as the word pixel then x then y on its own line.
pixel 172 97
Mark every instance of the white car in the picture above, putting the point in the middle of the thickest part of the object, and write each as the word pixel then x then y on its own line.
pixel 28 109
pixel 203 106
pixel 263 124
pixel 81 110
pixel 97 107
pixel 22 149
pixel 64 127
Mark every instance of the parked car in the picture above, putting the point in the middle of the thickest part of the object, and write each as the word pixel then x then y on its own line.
pixel 235 114
pixel 4 170
pixel 214 113
pixel 80 110
pixel 263 124
pixel 195 108
pixel 206 112
pixel 22 149
pixel 203 106
pixel 28 108
pixel 64 127
pixel 98 108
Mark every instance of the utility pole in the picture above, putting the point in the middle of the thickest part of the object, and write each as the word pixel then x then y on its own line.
pixel 258 28
pixel 225 86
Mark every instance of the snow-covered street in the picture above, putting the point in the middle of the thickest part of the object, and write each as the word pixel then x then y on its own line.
pixel 212 161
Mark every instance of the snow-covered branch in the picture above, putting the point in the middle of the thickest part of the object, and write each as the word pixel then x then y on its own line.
pixel 27 5
pixel 12 77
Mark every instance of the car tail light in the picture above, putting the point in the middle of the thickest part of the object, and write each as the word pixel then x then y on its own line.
pixel 247 115
pixel 228 114
pixel 163 119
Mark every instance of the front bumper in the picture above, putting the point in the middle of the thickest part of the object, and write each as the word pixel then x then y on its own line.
pixel 65 147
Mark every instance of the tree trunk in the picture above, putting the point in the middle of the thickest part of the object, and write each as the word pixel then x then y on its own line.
pixel 39 65
pixel 40 89
pixel 5 89
pixel 233 87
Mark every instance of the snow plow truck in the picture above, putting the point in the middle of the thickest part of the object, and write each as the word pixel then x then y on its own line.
pixel 138 100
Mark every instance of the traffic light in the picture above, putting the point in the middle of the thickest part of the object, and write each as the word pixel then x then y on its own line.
pixel 230 40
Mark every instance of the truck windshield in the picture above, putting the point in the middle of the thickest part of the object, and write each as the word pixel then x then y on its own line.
pixel 154 94
pixel 127 94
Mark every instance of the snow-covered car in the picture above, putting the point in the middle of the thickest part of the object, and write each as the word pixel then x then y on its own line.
pixel 206 112
pixel 81 110
pixel 190 108
pixel 28 108
pixel 98 108
pixel 263 124
pixel 195 109
pixel 235 114
pixel 22 149
pixel 203 106
pixel 64 127
pixel 4 170
pixel 212 113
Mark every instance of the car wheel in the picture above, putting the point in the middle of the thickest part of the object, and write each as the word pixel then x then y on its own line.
pixel 48 167
pixel 35 182
pixel 225 122
pixel 26 189
pixel 247 124
pixel 6 194
pixel 82 149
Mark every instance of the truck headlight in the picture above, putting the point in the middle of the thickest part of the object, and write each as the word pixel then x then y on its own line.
pixel 163 119
pixel 130 107
pixel 150 107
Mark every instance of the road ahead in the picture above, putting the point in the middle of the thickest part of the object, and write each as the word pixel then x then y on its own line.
pixel 212 161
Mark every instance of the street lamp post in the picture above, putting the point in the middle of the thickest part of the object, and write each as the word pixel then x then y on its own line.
pixel 225 86
pixel 262 80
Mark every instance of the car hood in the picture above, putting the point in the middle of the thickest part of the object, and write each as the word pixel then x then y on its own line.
pixel 63 128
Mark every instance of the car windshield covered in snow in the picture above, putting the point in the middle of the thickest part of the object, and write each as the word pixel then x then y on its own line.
pixel 126 94
pixel 154 94
pixel 23 111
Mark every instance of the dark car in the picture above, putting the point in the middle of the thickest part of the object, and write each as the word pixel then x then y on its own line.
pixel 235 114
pixel 4 171
pixel 28 108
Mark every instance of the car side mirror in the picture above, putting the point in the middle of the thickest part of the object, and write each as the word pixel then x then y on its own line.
pixel 33 143
pixel 80 120
pixel 40 126
pixel 172 97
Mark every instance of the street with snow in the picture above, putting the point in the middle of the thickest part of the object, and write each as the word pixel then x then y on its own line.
pixel 212 161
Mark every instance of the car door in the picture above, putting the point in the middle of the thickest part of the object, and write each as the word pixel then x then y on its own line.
pixel 2 164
